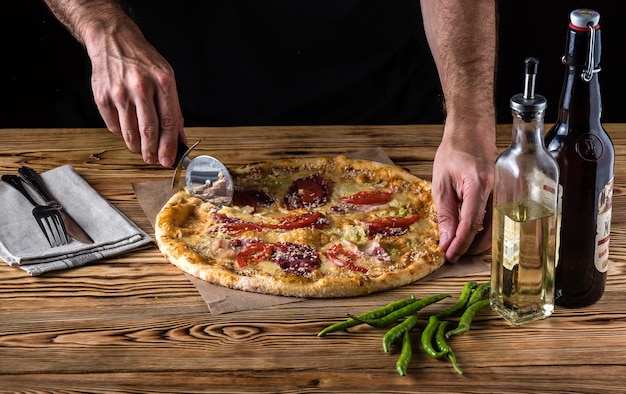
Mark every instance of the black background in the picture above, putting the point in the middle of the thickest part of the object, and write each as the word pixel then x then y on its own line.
pixel 40 59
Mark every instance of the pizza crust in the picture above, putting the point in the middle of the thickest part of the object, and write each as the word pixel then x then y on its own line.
pixel 175 237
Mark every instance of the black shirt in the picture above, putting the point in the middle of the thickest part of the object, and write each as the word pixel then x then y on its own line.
pixel 245 62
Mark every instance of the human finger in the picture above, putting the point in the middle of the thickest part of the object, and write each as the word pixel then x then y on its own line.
pixel 107 109
pixel 111 119
pixel 129 126
pixel 118 111
pixel 471 222
pixel 149 128
pixel 482 240
pixel 447 215
pixel 171 126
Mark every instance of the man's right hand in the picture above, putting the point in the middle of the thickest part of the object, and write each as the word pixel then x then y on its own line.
pixel 134 87
pixel 135 91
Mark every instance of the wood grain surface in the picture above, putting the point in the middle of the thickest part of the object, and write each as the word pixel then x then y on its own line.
pixel 136 324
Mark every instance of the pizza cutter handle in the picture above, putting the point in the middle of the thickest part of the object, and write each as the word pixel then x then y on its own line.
pixel 182 160
pixel 181 153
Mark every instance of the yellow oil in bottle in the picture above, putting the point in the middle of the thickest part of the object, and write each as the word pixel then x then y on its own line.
pixel 522 271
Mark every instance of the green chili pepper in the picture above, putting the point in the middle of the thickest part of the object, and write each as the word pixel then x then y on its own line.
pixel 428 335
pixel 481 291
pixel 373 314
pixel 410 309
pixel 467 290
pixel 442 345
pixel 440 337
pixel 405 354
pixel 452 359
pixel 468 317
pixel 396 332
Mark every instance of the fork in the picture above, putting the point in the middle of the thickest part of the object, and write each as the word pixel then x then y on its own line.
pixel 48 217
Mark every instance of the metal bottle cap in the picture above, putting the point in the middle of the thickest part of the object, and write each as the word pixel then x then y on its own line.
pixel 583 17
pixel 529 101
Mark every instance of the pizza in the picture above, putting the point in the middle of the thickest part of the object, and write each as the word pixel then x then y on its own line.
pixel 307 227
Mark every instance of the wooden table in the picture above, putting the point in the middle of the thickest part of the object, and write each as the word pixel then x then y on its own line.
pixel 137 324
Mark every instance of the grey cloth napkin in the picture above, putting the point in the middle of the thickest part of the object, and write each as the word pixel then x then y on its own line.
pixel 22 243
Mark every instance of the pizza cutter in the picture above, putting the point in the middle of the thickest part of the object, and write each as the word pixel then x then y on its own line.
pixel 206 177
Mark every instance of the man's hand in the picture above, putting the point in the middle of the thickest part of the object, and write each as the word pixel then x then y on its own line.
pixel 133 85
pixel 135 91
pixel 463 174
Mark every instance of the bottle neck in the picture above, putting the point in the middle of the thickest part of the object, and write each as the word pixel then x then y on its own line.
pixel 580 101
pixel 527 130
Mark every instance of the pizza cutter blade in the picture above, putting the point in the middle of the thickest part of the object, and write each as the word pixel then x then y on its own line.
pixel 206 177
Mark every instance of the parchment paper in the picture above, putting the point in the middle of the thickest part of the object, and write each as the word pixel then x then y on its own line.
pixel 152 195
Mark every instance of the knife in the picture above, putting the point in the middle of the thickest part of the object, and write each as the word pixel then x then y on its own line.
pixel 75 231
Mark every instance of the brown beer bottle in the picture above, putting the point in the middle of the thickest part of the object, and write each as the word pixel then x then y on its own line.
pixel 585 155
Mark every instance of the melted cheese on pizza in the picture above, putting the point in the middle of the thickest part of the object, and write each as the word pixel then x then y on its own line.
pixel 371 233
pixel 318 227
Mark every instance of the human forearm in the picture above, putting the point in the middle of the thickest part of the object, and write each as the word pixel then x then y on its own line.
pixel 462 38
pixel 84 18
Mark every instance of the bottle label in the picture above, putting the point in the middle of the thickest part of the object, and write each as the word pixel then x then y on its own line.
pixel 547 193
pixel 510 257
pixel 603 230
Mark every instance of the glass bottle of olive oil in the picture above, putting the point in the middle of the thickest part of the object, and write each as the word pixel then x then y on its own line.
pixel 525 214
